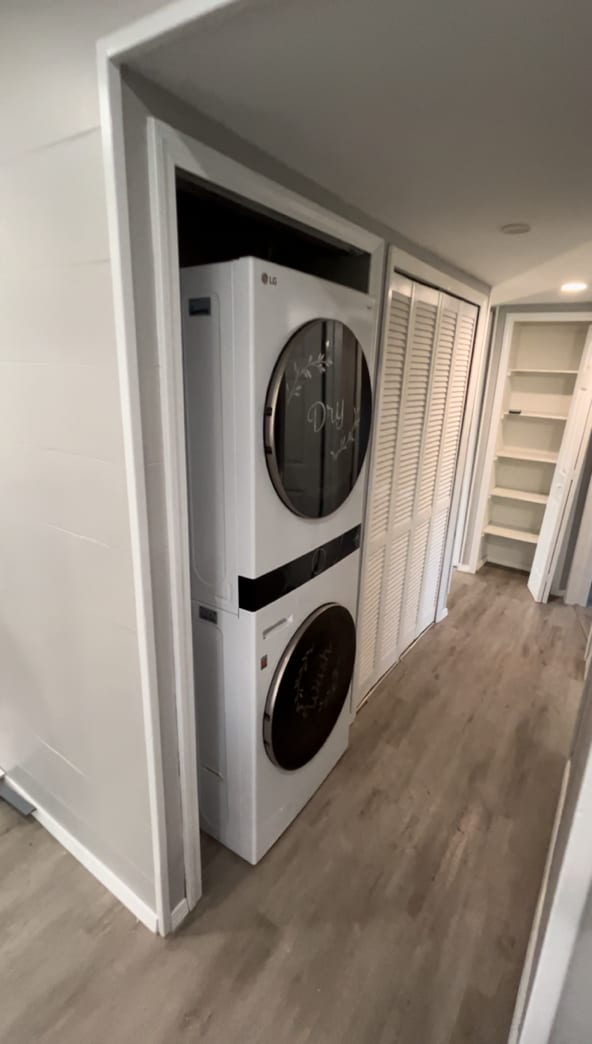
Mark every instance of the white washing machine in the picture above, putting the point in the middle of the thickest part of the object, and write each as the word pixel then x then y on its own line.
pixel 277 378
pixel 278 407
pixel 272 688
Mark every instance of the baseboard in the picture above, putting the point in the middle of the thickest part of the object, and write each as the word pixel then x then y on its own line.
pixel 463 567
pixel 90 862
pixel 523 989
pixel 442 616
pixel 179 914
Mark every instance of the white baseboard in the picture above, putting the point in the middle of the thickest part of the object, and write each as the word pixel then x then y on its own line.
pixel 179 914
pixel 442 616
pixel 462 567
pixel 90 862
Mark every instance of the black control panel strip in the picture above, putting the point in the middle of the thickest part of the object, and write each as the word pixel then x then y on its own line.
pixel 254 594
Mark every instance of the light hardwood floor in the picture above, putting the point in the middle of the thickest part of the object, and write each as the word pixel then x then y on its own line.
pixel 397 908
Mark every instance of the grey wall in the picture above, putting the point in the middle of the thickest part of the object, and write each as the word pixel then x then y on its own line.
pixel 549 992
pixel 573 1022
pixel 71 719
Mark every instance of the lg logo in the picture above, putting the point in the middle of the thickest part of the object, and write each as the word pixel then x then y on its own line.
pixel 268 280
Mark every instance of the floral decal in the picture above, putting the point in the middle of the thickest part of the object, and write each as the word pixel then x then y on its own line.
pixel 304 373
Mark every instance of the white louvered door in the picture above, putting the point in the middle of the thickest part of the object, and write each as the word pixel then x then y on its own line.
pixel 422 383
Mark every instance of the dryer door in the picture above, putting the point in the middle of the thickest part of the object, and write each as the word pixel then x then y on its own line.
pixel 310 687
pixel 317 418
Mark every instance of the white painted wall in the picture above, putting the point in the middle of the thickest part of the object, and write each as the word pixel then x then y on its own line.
pixel 71 723
pixel 574 1015
pixel 551 992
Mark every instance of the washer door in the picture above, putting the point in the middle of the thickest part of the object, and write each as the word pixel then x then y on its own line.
pixel 310 687
pixel 317 418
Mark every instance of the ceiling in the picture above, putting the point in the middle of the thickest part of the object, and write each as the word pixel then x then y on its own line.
pixel 442 120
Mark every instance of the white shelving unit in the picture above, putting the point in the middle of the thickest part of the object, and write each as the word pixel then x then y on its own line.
pixel 508 533
pixel 541 370
pixel 536 416
pixel 519 494
pixel 519 453
pixel 526 369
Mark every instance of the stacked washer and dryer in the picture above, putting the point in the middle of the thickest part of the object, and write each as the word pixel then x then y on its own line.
pixel 278 405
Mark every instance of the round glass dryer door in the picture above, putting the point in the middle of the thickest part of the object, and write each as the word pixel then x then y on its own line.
pixel 310 687
pixel 317 418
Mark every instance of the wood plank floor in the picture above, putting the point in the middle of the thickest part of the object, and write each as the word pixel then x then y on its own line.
pixel 396 910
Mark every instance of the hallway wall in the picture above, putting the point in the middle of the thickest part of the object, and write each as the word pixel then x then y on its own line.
pixel 71 720
pixel 574 1015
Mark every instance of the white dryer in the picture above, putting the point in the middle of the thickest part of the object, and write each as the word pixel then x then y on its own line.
pixel 278 385
pixel 273 711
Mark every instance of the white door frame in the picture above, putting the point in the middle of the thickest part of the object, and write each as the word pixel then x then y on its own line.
pixel 496 393
pixel 112 52
pixel 170 151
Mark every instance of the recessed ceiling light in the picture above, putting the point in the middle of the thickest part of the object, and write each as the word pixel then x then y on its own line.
pixel 573 288
pixel 515 228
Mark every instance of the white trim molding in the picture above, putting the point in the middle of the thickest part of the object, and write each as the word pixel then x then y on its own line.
pixel 127 361
pixel 140 909
pixel 112 51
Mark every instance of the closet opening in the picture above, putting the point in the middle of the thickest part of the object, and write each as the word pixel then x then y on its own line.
pixel 214 225
pixel 538 446
pixel 269 378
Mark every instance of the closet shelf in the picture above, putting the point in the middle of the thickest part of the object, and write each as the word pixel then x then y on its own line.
pixel 511 534
pixel 530 414
pixel 519 494
pixel 544 373
pixel 518 453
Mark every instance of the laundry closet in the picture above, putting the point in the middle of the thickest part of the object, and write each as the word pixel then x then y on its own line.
pixel 278 334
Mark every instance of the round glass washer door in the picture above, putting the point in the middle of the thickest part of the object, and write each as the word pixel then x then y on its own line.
pixel 310 687
pixel 318 414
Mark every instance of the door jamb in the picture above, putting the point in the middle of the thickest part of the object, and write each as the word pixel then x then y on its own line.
pixel 168 151
pixel 112 51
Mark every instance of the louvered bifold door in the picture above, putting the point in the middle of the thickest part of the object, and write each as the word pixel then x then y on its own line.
pixel 403 396
pixel 420 566
pixel 421 395
pixel 386 428
pixel 461 317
